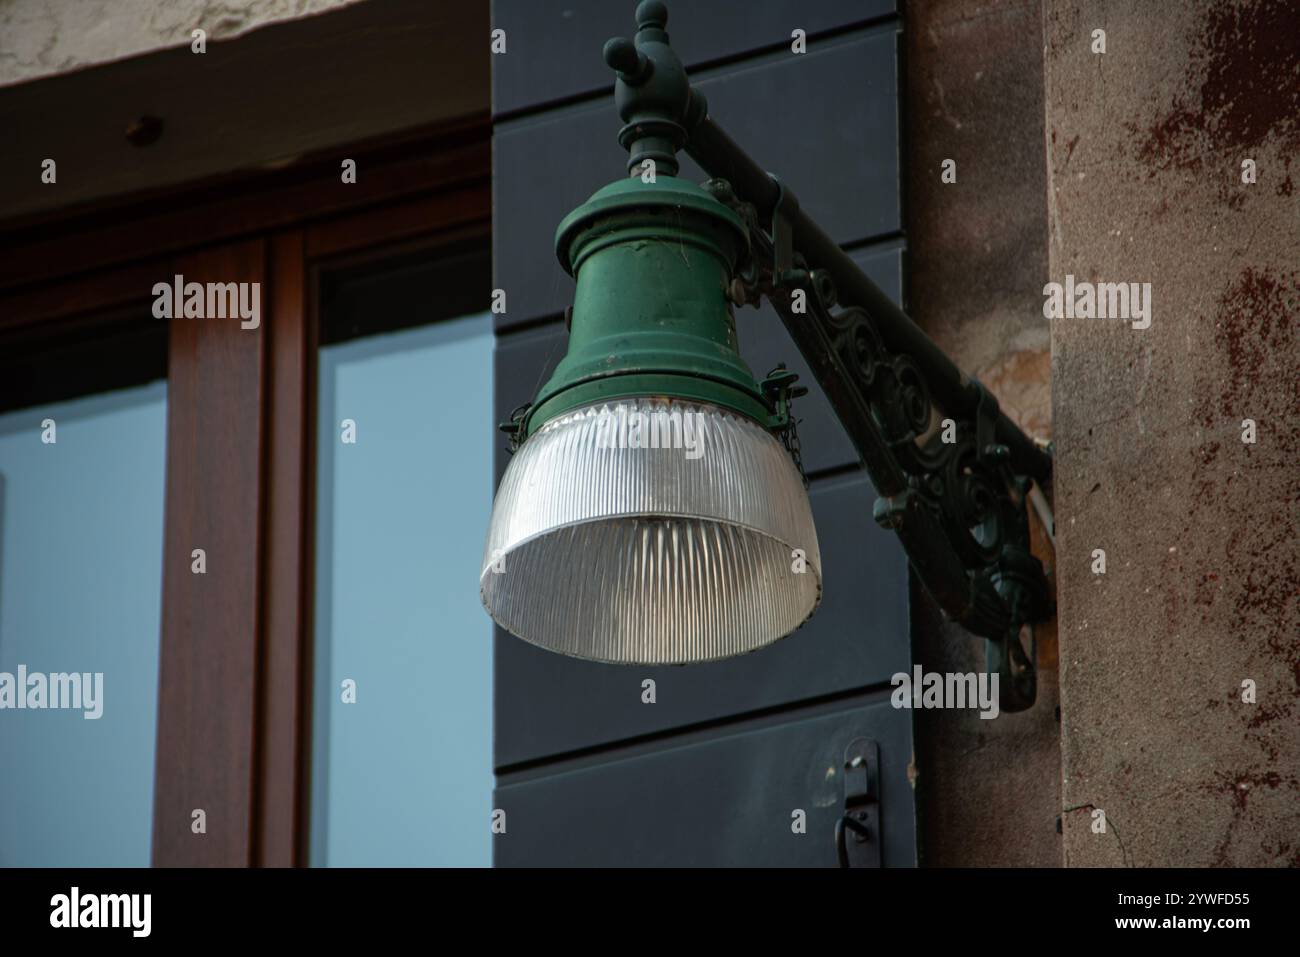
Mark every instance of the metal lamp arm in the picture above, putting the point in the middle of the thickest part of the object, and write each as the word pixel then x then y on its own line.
pixel 956 494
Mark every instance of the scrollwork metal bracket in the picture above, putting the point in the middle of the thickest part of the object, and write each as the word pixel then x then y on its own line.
pixel 947 486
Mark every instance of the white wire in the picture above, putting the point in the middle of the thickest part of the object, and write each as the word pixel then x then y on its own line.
pixel 1044 511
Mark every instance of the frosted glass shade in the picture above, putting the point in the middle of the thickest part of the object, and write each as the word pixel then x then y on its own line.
pixel 651 531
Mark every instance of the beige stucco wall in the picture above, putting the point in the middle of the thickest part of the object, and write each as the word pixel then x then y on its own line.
pixel 1200 530
pixel 44 37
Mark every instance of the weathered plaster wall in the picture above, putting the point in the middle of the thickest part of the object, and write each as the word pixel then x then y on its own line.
pixel 1146 144
pixel 988 791
pixel 44 37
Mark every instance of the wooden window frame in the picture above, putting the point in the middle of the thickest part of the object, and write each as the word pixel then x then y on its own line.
pixel 234 732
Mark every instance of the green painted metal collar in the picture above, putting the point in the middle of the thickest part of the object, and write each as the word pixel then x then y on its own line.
pixel 633 194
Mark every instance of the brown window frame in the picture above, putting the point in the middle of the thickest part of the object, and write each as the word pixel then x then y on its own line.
pixel 235 672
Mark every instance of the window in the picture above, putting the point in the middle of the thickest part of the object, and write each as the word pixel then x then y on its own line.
pixel 201 433
pixel 402 716
pixel 81 543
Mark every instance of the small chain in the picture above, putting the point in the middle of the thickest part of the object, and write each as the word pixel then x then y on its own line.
pixel 790 439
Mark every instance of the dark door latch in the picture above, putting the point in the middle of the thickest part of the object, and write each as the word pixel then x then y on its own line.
pixel 857 832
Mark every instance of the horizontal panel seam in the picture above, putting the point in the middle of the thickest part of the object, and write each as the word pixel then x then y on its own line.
pixel 701 72
pixel 870 694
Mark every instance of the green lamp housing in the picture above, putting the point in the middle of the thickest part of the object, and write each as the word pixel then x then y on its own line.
pixel 650 515
pixel 650 315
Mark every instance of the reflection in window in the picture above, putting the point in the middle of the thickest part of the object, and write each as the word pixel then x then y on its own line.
pixel 402 775
pixel 81 541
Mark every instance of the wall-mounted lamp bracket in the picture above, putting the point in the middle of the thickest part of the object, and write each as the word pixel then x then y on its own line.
pixel 952 471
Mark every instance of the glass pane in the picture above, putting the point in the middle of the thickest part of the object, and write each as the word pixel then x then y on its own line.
pixel 81 544
pixel 402 775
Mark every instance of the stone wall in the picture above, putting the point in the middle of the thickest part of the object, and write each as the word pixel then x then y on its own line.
pixel 1146 144
pixel 988 791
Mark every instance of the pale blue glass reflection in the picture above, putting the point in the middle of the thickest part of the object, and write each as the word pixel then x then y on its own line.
pixel 403 776
pixel 81 542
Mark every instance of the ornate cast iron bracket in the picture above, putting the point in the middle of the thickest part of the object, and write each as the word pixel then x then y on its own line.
pixel 953 473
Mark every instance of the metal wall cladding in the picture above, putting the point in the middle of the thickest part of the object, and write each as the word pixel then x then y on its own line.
pixel 553 49
pixel 710 773
pixel 764 794
pixel 825 121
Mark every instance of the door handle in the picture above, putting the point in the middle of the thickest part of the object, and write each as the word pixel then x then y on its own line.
pixel 857 832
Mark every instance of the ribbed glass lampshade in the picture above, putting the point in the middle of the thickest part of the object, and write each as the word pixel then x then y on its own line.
pixel 651 531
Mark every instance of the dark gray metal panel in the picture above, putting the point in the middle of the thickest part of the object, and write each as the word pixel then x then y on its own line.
pixel 548 704
pixel 826 122
pixel 718 790
pixel 553 49
pixel 721 799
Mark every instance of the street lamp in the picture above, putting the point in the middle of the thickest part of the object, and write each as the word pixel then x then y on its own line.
pixel 655 510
